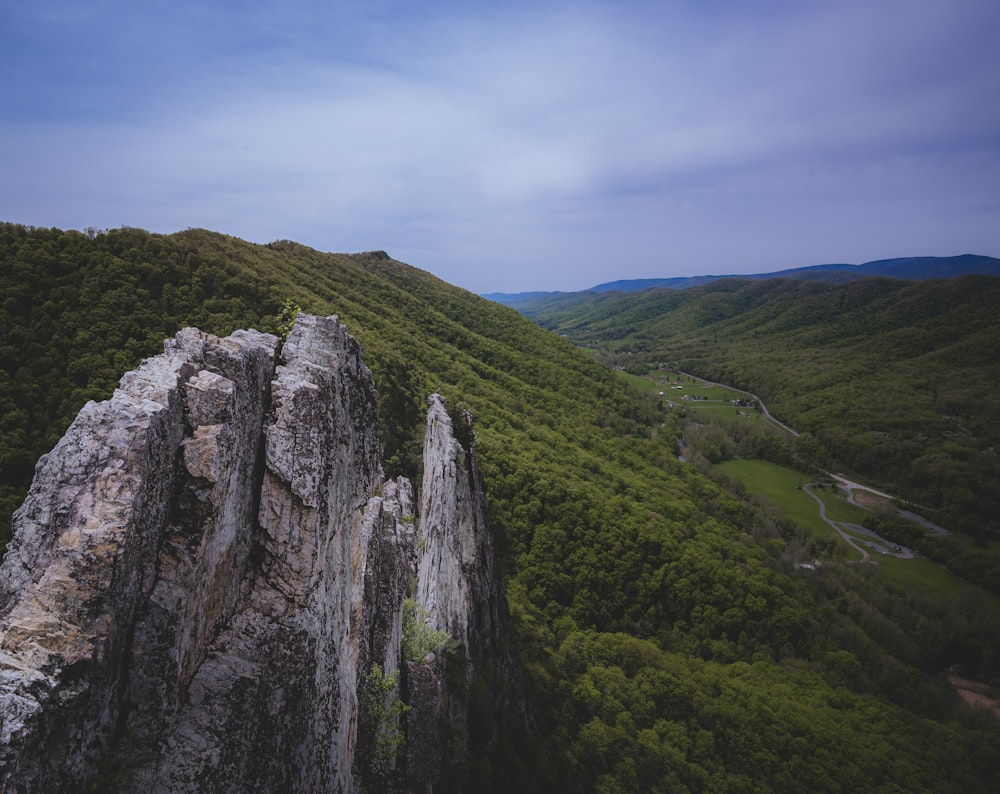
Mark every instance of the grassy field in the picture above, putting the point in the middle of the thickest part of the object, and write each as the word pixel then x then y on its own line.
pixel 707 399
pixel 689 386
pixel 838 508
pixel 969 544
pixel 726 410
pixel 783 486
pixel 922 575
pixel 641 382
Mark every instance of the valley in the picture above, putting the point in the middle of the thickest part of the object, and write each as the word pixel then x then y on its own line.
pixel 666 638
pixel 884 379
pixel 700 397
pixel 712 404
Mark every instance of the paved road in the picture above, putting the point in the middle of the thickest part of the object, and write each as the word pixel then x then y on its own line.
pixel 882 546
pixel 763 408
pixel 865 556
pixel 851 487
pixel 930 526
pixel 868 540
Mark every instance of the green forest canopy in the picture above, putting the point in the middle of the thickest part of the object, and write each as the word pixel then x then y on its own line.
pixel 894 379
pixel 668 640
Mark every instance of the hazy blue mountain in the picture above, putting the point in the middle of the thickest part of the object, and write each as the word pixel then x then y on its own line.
pixel 912 268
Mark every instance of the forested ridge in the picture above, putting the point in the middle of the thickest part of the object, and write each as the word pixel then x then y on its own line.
pixel 669 641
pixel 894 380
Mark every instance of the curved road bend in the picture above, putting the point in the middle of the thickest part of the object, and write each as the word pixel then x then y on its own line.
pixel 848 486
pixel 851 487
pixel 875 541
pixel 865 556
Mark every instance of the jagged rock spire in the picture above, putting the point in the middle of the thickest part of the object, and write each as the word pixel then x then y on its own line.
pixel 456 570
pixel 208 564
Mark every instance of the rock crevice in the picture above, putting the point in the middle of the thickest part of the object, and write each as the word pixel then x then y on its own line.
pixel 209 563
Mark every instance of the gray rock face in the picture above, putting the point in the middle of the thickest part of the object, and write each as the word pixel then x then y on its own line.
pixel 89 548
pixel 459 592
pixel 209 563
pixel 456 575
pixel 271 704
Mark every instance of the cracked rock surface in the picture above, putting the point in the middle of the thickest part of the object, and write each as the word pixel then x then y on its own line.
pixel 209 563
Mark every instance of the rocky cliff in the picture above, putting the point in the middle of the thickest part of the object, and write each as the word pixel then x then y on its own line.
pixel 456 575
pixel 209 564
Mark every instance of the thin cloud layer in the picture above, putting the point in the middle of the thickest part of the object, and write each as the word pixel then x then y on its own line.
pixel 528 146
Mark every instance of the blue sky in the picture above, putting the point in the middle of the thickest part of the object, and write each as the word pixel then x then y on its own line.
pixel 519 145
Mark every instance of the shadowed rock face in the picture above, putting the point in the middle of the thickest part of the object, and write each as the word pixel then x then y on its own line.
pixel 209 562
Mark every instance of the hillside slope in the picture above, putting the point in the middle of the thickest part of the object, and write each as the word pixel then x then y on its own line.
pixel 892 377
pixel 668 639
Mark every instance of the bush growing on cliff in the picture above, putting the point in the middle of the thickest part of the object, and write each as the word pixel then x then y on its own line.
pixel 289 311
pixel 380 735
pixel 419 638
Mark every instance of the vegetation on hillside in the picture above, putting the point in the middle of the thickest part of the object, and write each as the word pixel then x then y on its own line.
pixel 893 379
pixel 668 639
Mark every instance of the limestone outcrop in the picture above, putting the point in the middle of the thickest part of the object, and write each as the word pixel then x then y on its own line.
pixel 457 581
pixel 209 563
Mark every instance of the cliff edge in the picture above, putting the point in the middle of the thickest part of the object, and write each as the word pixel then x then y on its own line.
pixel 211 563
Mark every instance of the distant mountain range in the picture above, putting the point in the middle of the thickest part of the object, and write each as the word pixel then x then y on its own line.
pixel 911 268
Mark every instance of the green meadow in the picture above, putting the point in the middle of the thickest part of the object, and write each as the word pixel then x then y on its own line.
pixel 783 486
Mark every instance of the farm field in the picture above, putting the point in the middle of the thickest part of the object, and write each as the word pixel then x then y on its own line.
pixel 783 486
pixel 696 396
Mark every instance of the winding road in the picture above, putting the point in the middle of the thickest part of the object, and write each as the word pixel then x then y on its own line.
pixel 763 408
pixel 848 531
pixel 865 556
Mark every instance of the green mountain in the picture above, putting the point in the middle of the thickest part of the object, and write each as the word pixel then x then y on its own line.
pixel 668 639
pixel 892 378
